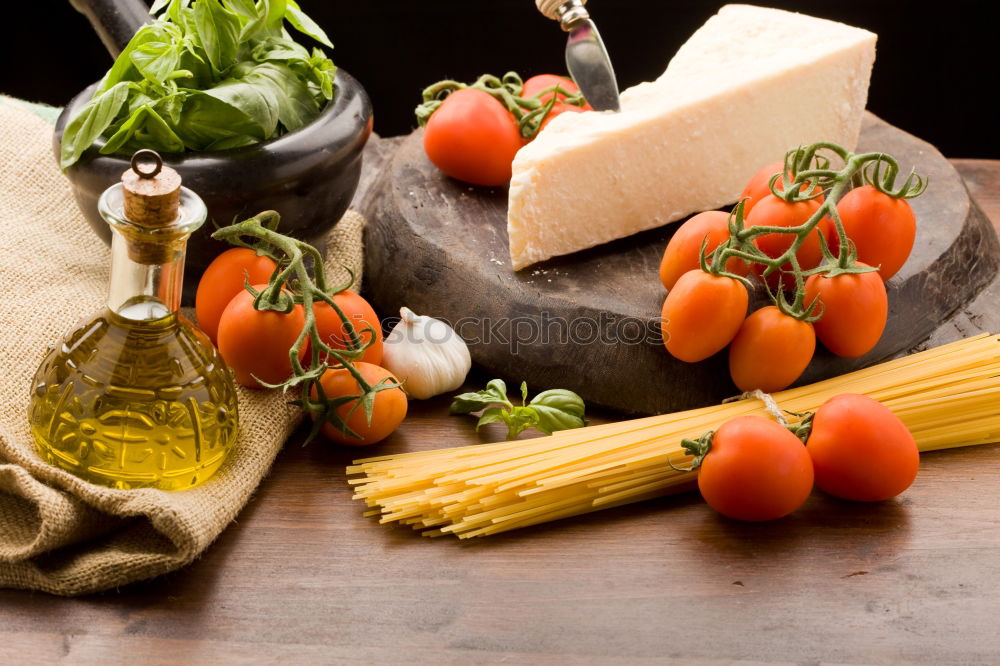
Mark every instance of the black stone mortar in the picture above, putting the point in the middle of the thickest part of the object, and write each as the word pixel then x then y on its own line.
pixel 309 176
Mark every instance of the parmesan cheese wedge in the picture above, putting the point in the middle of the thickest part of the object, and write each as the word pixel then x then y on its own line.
pixel 749 85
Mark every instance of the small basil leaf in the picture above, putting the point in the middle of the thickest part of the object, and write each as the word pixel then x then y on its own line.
pixel 93 119
pixel 217 29
pixel 561 399
pixel 296 106
pixel 268 20
pixel 321 72
pixel 275 13
pixel 244 8
pixel 551 419
pixel 257 103
pixel 171 107
pixel 144 129
pixel 304 24
pixel 194 60
pixel 498 389
pixel 491 415
pixel 519 420
pixel 155 60
pixel 208 121
pixel 467 403
pixel 280 50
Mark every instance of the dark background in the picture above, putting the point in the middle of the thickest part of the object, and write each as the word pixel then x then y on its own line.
pixel 936 71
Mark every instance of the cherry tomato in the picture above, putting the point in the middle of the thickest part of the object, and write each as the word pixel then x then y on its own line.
pixel 882 228
pixel 388 411
pixel 255 343
pixel 770 350
pixel 756 470
pixel 860 450
pixel 854 308
pixel 759 186
pixel 361 315
pixel 223 279
pixel 540 82
pixel 473 138
pixel 774 212
pixel 681 254
pixel 702 314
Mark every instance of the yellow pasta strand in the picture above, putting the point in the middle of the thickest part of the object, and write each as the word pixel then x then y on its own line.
pixel 948 397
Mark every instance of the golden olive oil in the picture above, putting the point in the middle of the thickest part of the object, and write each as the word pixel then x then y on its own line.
pixel 135 403
pixel 138 397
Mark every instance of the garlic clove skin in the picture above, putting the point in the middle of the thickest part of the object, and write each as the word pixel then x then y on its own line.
pixel 426 354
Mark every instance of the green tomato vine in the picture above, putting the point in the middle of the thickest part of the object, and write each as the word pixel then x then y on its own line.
pixel 529 112
pixel 808 174
pixel 300 279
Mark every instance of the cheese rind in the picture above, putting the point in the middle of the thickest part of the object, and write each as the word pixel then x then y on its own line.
pixel 749 85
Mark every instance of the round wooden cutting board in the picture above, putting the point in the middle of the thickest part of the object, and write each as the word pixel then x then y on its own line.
pixel 589 322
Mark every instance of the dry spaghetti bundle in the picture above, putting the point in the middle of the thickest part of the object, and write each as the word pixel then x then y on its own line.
pixel 948 397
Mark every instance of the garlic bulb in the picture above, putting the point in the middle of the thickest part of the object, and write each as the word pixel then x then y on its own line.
pixel 426 354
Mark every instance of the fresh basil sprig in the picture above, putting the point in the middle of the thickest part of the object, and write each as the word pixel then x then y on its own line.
pixel 549 411
pixel 207 75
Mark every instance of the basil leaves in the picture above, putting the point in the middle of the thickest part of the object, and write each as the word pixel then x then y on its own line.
pixel 207 75
pixel 549 411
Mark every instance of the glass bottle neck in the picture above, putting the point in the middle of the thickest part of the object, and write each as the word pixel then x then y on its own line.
pixel 141 291
pixel 147 264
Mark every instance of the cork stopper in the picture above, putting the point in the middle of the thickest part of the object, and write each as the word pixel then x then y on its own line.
pixel 151 194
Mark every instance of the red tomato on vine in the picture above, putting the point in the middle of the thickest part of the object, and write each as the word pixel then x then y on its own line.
pixel 755 470
pixel 882 228
pixel 860 450
pixel 759 186
pixel 770 351
pixel 388 410
pixel 361 315
pixel 255 343
pixel 540 82
pixel 702 314
pixel 854 309
pixel 223 279
pixel 473 137
pixel 682 250
pixel 774 212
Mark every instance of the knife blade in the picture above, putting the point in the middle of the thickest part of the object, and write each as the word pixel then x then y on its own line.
pixel 586 57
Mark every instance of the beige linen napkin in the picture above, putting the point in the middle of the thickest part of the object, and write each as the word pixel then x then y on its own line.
pixel 60 534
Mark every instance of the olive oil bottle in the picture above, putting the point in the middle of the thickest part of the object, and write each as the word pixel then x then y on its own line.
pixel 137 397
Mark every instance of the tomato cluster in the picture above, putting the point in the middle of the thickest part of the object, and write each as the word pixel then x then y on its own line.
pixel 256 344
pixel 755 469
pixel 472 136
pixel 839 294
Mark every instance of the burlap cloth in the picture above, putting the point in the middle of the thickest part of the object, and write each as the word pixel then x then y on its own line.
pixel 60 534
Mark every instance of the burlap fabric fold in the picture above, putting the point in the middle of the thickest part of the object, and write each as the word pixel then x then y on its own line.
pixel 59 534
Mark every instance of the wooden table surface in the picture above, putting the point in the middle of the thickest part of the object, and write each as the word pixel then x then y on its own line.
pixel 301 575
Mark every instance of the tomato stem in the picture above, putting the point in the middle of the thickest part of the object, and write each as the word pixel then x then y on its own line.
pixel 529 112
pixel 698 449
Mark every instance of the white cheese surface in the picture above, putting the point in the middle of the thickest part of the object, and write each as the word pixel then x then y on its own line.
pixel 746 87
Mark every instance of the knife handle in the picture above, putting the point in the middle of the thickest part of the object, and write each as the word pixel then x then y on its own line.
pixel 566 12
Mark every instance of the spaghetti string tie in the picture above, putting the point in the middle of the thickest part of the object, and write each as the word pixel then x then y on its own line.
pixel 769 404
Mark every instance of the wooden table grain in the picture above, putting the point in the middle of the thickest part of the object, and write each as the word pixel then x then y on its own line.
pixel 301 576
